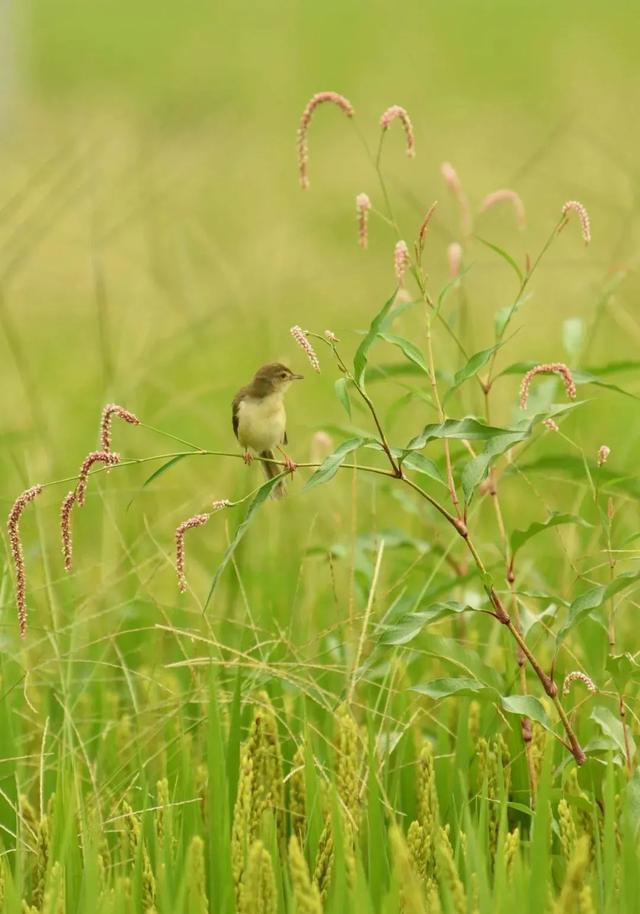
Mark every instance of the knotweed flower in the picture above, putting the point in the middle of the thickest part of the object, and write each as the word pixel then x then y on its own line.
pixel 220 504
pixel 451 179
pixel 65 528
pixel 499 196
pixel 330 335
pixel 196 521
pixel 603 454
pixel 110 458
pixel 548 368
pixel 301 339
pixel 397 111
pixel 401 260
pixel 422 231
pixel 110 410
pixel 581 677
pixel 363 205
pixel 307 114
pixel 454 257
pixel 583 216
pixel 17 554
pixel 551 424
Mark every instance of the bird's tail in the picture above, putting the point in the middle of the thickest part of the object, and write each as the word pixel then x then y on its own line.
pixel 271 470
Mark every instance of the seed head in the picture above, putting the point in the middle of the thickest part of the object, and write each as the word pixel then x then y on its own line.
pixel 110 410
pixel 301 339
pixel 196 521
pixel 422 231
pixel 18 555
pixel 330 335
pixel 401 260
pixel 110 458
pixel 363 205
pixel 303 148
pixel 499 196
pixel 548 368
pixel 454 256
pixel 451 179
pixel 396 111
pixel 65 528
pixel 580 677
pixel 220 504
pixel 603 454
pixel 583 216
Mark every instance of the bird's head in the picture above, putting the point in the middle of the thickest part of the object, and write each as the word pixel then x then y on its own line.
pixel 274 378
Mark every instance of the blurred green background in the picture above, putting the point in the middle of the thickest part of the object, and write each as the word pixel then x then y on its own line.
pixel 155 246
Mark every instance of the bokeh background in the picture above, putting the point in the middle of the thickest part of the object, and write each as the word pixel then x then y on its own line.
pixel 155 246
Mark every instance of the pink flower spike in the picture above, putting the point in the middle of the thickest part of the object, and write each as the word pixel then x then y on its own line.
pixel 303 147
pixel 331 337
pixel 504 194
pixel 220 504
pixel 585 223
pixel 301 339
pixel 548 368
pixel 17 554
pixel 196 521
pixel 363 205
pixel 551 424
pixel 578 676
pixel 397 111
pixel 603 454
pixel 422 231
pixel 110 410
pixel 454 257
pixel 451 179
pixel 65 529
pixel 401 260
pixel 110 458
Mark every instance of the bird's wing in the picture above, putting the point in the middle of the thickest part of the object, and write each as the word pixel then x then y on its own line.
pixel 235 409
pixel 285 439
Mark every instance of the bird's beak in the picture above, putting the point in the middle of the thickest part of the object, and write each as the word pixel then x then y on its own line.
pixel 297 377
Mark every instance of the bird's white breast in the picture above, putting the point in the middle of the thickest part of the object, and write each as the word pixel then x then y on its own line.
pixel 261 423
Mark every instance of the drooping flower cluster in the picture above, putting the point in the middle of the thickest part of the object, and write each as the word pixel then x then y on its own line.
pixel 585 223
pixel 363 205
pixel 451 179
pixel 397 111
pixel 196 521
pixel 401 260
pixel 111 410
pixel 303 147
pixel 301 339
pixel 65 528
pixel 110 458
pixel 422 231
pixel 17 554
pixel 579 676
pixel 547 368
pixel 502 195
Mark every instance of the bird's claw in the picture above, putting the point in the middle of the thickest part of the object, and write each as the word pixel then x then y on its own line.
pixel 290 466
pixel 247 457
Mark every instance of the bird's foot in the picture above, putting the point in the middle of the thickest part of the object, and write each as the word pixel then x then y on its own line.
pixel 290 466
pixel 247 457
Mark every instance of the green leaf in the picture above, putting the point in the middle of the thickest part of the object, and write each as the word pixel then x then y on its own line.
pixel 157 473
pixel 594 598
pixel 443 688
pixel 421 464
pixel 520 537
pixel 261 496
pixel 623 669
pixel 331 464
pixel 573 333
pixel 477 468
pixel 526 706
pixel 469 428
pixel 504 315
pixel 412 352
pixel 407 626
pixel 342 393
pixel 444 292
pixel 504 254
pixel 585 377
pixel 472 367
pixel 362 352
pixel 611 726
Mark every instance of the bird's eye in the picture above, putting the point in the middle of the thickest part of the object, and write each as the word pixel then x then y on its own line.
pixel 283 374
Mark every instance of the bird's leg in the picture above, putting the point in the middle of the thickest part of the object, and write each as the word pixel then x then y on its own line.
pixel 247 457
pixel 290 466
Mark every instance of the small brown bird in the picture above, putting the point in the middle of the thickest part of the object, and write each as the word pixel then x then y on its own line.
pixel 259 418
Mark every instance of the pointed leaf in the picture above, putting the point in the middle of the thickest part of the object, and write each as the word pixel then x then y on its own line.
pixel 526 706
pixel 469 428
pixel 362 352
pixel 594 598
pixel 342 393
pixel 520 537
pixel 504 254
pixel 331 464
pixel 421 464
pixel 443 688
pixel 472 367
pixel 410 350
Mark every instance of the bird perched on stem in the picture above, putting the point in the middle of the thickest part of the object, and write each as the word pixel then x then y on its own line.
pixel 260 421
